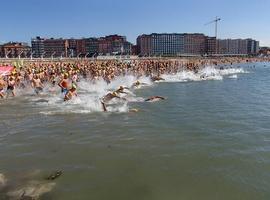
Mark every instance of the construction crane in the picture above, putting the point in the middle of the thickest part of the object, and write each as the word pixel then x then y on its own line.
pixel 216 29
pixel 216 25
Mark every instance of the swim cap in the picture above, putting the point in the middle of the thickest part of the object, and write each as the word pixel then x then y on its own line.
pixel 74 86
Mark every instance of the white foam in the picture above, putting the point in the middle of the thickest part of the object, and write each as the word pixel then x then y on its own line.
pixel 89 95
pixel 207 73
pixel 233 76
pixel 90 92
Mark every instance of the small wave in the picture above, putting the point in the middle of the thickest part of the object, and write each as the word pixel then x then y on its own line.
pixel 233 76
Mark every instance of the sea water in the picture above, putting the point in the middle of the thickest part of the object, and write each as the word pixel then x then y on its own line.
pixel 209 140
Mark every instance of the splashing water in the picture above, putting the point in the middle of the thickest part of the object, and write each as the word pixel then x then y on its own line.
pixel 89 95
pixel 207 73
pixel 90 92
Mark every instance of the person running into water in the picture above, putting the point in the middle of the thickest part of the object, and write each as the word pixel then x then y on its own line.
pixel 2 86
pixel 108 97
pixel 11 86
pixel 71 93
pixel 154 98
pixel 36 84
pixel 63 84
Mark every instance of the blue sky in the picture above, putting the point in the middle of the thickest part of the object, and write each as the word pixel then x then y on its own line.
pixel 22 19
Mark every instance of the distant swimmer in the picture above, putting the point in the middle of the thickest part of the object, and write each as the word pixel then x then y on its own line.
pixel 36 84
pixel 71 93
pixel 134 110
pixel 108 97
pixel 138 83
pixel 63 84
pixel 154 98
pixel 2 86
pixel 157 78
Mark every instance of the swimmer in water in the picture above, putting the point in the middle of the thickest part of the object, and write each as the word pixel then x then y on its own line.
pixel 157 78
pixel 154 98
pixel 108 97
pixel 137 84
pixel 36 84
pixel 121 90
pixel 71 93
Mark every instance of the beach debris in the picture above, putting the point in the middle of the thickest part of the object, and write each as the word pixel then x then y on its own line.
pixel 54 175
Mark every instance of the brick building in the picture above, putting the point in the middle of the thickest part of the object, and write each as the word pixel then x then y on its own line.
pixel 15 50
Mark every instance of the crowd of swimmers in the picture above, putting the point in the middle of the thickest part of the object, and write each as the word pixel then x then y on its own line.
pixel 67 74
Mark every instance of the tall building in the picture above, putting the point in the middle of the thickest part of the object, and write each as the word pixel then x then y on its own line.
pixel 144 45
pixel 37 46
pixel 92 46
pixel 194 44
pixel 104 46
pixel 72 47
pixel 81 47
pixel 223 46
pixel 238 47
pixel 114 45
pixel 108 45
pixel 56 47
pixel 211 46
pixel 160 44
pixel 167 44
pixel 233 46
pixel 253 47
pixel 243 47
pixel 42 47
pixel 172 44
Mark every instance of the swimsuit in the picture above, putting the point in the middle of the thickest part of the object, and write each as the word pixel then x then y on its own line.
pixel 65 91
pixel 10 87
pixel 38 89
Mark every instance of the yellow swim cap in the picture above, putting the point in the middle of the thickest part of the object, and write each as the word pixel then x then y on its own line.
pixel 74 86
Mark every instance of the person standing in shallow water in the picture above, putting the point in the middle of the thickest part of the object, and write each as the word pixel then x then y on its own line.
pixel 2 86
pixel 71 93
pixel 63 84
pixel 11 86
pixel 37 85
